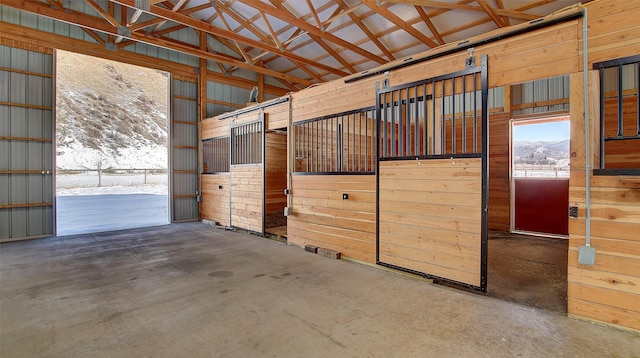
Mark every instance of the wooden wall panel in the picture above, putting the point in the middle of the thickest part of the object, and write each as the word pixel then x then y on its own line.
pixel 548 52
pixel 322 218
pixel 275 178
pixel 215 201
pixel 499 184
pixel 430 217
pixel 246 196
pixel 614 31
pixel 213 128
pixel 277 116
pixel 608 290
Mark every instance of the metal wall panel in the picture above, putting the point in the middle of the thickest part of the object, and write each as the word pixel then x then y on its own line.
pixel 547 89
pixel 184 150
pixel 26 159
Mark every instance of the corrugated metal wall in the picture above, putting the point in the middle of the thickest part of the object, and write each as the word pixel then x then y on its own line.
pixel 184 150
pixel 26 144
pixel 554 91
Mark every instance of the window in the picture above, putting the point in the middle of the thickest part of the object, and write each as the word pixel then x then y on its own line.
pixel 215 155
pixel 246 143
pixel 340 143
pixel 619 116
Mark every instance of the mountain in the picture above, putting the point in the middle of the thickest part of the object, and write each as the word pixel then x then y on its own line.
pixel 109 115
pixel 543 152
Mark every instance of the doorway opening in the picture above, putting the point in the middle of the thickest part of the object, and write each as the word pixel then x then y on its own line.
pixel 111 145
pixel 540 176
pixel 275 183
pixel 528 264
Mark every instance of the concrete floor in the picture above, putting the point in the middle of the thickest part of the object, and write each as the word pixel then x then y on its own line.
pixel 188 290
pixel 528 270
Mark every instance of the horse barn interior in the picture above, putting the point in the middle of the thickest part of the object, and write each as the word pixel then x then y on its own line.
pixel 381 133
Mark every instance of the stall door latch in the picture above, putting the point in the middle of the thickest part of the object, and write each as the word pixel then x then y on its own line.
pixel 573 212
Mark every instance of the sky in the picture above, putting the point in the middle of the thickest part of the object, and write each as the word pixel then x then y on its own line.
pixel 549 131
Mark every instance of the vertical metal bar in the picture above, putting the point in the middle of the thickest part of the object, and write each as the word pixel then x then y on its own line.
pixel 433 117
pixel 331 157
pixel 426 123
pixel 637 99
pixel 360 141
pixel 385 144
pixel 307 145
pixel 400 126
pixel 620 109
pixel 341 143
pixel 464 114
pixel 407 123
pixel 485 176
pixel 453 116
pixel 443 130
pixel 326 141
pixel 366 141
pixel 406 117
pixel 393 125
pixel 602 133
pixel 475 113
pixel 351 150
pixel 416 137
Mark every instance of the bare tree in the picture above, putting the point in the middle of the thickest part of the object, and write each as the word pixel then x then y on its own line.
pixel 99 164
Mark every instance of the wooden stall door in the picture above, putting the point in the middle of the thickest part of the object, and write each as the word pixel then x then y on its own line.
pixel 247 176
pixel 433 176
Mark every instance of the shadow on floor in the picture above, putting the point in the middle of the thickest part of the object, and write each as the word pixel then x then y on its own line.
pixel 528 270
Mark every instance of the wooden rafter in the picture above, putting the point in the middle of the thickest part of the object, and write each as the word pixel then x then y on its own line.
pixel 427 20
pixel 97 24
pixel 459 6
pixel 315 15
pixel 288 17
pixel 490 11
pixel 384 12
pixel 112 20
pixel 320 41
pixel 373 38
pixel 201 26
pixel 505 19
pixel 220 6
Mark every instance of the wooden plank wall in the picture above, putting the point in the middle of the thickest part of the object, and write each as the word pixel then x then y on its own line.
pixel 499 185
pixel 275 179
pixel 215 200
pixel 214 128
pixel 608 291
pixel 322 218
pixel 246 196
pixel 548 52
pixel 430 216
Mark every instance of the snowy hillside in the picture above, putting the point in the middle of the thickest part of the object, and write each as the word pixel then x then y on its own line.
pixel 548 151
pixel 109 116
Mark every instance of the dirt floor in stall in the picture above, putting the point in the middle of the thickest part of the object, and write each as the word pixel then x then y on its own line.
pixel 528 270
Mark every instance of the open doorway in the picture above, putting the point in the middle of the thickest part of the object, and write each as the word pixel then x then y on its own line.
pixel 111 145
pixel 540 176
pixel 528 264
pixel 275 222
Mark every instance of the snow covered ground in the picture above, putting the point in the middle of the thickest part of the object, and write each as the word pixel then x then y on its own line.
pixel 123 202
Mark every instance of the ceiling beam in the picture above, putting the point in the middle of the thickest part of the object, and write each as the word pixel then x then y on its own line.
pixel 112 20
pixel 427 20
pixel 96 24
pixel 288 17
pixel 373 38
pixel 395 19
pixel 489 10
pixel 213 30
pixel 459 6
